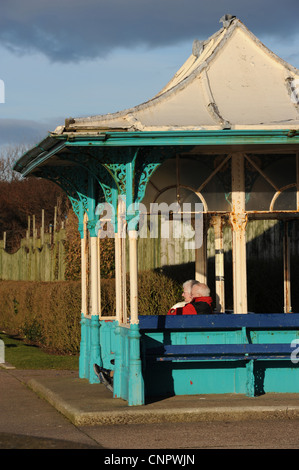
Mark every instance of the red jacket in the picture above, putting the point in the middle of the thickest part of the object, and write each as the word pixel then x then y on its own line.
pixel 198 306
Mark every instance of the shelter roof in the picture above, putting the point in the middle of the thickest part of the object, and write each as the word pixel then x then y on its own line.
pixel 230 81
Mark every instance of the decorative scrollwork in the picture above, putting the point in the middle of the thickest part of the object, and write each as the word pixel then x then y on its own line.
pixel 149 159
pixel 88 160
pixel 71 182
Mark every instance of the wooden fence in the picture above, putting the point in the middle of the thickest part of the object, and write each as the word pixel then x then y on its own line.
pixel 42 258
pixel 264 241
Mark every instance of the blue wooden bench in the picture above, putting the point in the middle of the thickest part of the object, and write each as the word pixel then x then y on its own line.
pixel 278 329
pixel 209 352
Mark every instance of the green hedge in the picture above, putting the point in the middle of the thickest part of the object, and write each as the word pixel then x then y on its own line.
pixel 45 313
pixel 48 313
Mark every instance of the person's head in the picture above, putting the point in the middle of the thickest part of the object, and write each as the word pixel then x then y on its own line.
pixel 187 286
pixel 200 290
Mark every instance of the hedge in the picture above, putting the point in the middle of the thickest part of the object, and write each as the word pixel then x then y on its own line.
pixel 48 313
pixel 45 313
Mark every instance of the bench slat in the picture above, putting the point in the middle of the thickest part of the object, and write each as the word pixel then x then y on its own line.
pixel 220 321
pixel 228 357
pixel 220 351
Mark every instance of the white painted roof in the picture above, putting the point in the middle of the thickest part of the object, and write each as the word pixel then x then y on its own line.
pixel 230 81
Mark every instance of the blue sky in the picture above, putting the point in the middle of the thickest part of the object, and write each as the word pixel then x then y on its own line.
pixel 69 58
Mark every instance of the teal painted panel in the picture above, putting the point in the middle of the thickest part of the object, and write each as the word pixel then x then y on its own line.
pixel 199 377
pixel 210 337
pixel 207 380
pixel 218 378
pixel 274 336
pixel 165 378
pixel 282 378
pixel 151 339
pixel 107 343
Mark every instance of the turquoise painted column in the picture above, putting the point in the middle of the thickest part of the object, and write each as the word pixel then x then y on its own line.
pixel 85 326
pixel 117 365
pixel 250 378
pixel 95 353
pixel 83 366
pixel 135 382
pixel 124 362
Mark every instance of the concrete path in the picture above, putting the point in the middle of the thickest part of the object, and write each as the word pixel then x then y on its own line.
pixel 55 409
pixel 29 422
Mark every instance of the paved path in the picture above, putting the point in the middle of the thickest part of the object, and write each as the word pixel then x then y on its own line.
pixel 29 421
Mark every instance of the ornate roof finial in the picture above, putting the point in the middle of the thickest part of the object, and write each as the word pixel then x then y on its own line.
pixel 226 20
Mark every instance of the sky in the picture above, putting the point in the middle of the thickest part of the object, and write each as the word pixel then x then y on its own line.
pixel 74 58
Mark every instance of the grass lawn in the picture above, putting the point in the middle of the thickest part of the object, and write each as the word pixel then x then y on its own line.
pixel 25 356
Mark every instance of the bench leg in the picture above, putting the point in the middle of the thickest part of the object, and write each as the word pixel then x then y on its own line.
pixel 250 381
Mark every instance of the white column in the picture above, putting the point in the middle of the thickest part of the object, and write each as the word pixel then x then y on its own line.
pixel 84 278
pixel 124 276
pixel 120 264
pixel 238 220
pixel 95 350
pixel 286 269
pixel 133 235
pixel 201 260
pixel 94 275
pixel 118 278
pixel 219 264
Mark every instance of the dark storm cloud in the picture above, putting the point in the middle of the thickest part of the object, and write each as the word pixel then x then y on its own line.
pixel 18 131
pixel 71 30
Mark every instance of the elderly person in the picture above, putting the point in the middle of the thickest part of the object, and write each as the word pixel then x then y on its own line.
pixel 187 286
pixel 201 302
pixel 187 290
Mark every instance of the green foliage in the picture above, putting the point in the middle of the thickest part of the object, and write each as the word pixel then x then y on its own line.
pixel 73 252
pixel 48 313
pixel 157 293
pixel 72 248
pixel 25 356
pixel 33 330
pixel 107 255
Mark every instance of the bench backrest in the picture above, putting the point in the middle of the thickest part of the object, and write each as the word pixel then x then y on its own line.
pixel 220 321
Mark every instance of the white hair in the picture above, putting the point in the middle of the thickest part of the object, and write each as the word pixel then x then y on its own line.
pixel 200 290
pixel 189 284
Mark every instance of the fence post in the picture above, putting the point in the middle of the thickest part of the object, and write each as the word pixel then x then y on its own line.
pixel 42 229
